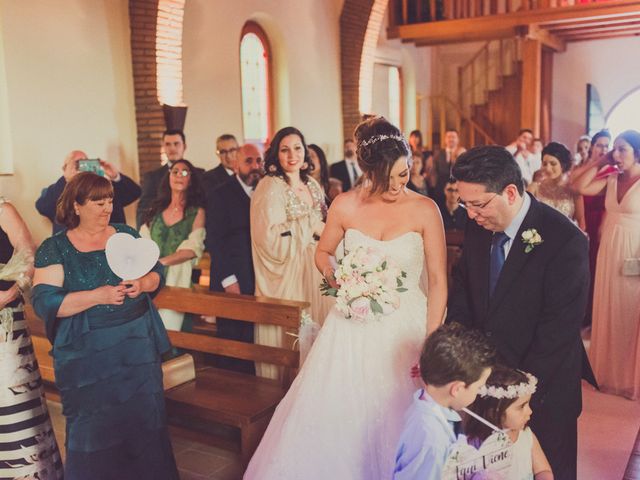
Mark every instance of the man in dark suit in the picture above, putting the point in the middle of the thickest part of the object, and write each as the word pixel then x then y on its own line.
pixel 125 190
pixel 226 149
pixel 173 145
pixel 523 280
pixel 229 242
pixel 347 170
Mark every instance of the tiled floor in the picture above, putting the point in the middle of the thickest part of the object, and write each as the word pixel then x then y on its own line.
pixel 606 432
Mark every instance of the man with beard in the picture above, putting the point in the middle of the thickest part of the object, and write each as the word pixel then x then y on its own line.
pixel 347 171
pixel 229 243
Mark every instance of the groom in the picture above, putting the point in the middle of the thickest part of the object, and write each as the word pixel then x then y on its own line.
pixel 523 279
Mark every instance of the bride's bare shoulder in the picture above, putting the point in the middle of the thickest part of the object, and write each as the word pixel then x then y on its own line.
pixel 421 201
pixel 345 202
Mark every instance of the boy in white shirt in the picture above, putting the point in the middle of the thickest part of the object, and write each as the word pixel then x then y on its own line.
pixel 454 364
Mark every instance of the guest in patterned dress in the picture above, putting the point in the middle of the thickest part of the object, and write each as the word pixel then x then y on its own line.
pixel 175 222
pixel 27 444
pixel 107 341
pixel 287 209
pixel 551 186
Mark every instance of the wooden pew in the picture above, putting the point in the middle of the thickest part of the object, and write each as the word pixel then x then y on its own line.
pixel 217 398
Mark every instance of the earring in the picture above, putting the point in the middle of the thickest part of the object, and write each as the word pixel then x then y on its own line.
pixel 272 169
pixel 77 212
pixel 304 166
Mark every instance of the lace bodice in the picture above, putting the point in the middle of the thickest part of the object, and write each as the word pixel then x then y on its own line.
pixel 406 250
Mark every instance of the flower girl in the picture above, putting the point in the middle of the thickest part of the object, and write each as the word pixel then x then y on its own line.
pixel 504 401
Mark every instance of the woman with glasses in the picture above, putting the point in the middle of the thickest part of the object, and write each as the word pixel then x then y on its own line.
pixel 175 222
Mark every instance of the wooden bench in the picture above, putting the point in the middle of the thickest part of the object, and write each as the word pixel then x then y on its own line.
pixel 217 401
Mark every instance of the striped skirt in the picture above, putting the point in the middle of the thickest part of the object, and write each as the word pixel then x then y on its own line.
pixel 28 447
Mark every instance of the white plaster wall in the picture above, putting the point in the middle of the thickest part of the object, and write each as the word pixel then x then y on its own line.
pixel 305 39
pixel 69 86
pixel 611 65
pixel 416 67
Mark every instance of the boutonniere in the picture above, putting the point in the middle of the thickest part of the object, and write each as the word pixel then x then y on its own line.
pixel 531 238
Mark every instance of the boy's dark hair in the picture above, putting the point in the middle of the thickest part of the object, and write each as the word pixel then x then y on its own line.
pixel 490 408
pixel 525 130
pixel 455 353
pixel 174 131
pixel 491 166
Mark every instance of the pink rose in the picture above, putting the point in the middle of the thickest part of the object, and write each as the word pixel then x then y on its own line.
pixel 360 308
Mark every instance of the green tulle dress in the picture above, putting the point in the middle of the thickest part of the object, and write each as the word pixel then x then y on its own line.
pixel 108 371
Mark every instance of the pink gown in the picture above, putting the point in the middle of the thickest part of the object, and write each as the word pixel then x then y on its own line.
pixel 615 338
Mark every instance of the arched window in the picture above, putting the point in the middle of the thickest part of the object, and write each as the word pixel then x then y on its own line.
pixel 387 92
pixel 395 97
pixel 255 76
pixel 624 114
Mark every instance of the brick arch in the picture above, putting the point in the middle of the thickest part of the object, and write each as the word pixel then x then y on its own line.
pixel 360 23
pixel 156 54
pixel 154 20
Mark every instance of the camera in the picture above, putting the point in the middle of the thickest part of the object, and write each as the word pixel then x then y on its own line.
pixel 91 165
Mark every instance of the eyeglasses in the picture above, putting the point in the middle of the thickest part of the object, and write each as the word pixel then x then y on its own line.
pixel 180 173
pixel 476 208
pixel 227 152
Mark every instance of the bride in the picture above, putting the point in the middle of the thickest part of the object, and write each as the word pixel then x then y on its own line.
pixel 342 416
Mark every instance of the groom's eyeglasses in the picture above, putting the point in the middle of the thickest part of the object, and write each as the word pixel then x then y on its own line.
pixel 476 208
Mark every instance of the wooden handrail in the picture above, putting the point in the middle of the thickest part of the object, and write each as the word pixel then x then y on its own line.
pixel 446 101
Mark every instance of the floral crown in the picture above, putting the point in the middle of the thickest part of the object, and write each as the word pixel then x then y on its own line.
pixel 379 138
pixel 512 391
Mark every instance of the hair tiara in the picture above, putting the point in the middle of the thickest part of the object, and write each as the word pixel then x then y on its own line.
pixel 380 138
pixel 512 391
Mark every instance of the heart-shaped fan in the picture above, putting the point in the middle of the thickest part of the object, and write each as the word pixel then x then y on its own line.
pixel 131 258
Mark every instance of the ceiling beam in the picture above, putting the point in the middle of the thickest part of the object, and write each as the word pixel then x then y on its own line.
pixel 547 38
pixel 478 28
pixel 598 28
pixel 559 27
pixel 605 34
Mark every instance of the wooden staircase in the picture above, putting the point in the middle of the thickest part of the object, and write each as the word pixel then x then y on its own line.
pixel 489 93
pixel 490 88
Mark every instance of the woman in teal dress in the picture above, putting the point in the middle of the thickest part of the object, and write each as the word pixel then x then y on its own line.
pixel 175 222
pixel 107 341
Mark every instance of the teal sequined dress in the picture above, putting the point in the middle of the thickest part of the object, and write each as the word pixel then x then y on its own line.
pixel 108 371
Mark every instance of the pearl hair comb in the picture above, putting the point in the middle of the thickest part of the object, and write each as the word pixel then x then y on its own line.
pixel 379 138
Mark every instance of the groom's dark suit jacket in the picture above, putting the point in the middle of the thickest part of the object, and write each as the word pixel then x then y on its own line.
pixel 536 311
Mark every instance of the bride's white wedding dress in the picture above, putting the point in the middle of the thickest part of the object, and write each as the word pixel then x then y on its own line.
pixel 343 414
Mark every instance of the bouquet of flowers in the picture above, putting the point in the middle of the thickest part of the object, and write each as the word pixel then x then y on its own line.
pixel 369 285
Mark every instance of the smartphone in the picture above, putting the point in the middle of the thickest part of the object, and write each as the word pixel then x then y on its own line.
pixel 91 165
